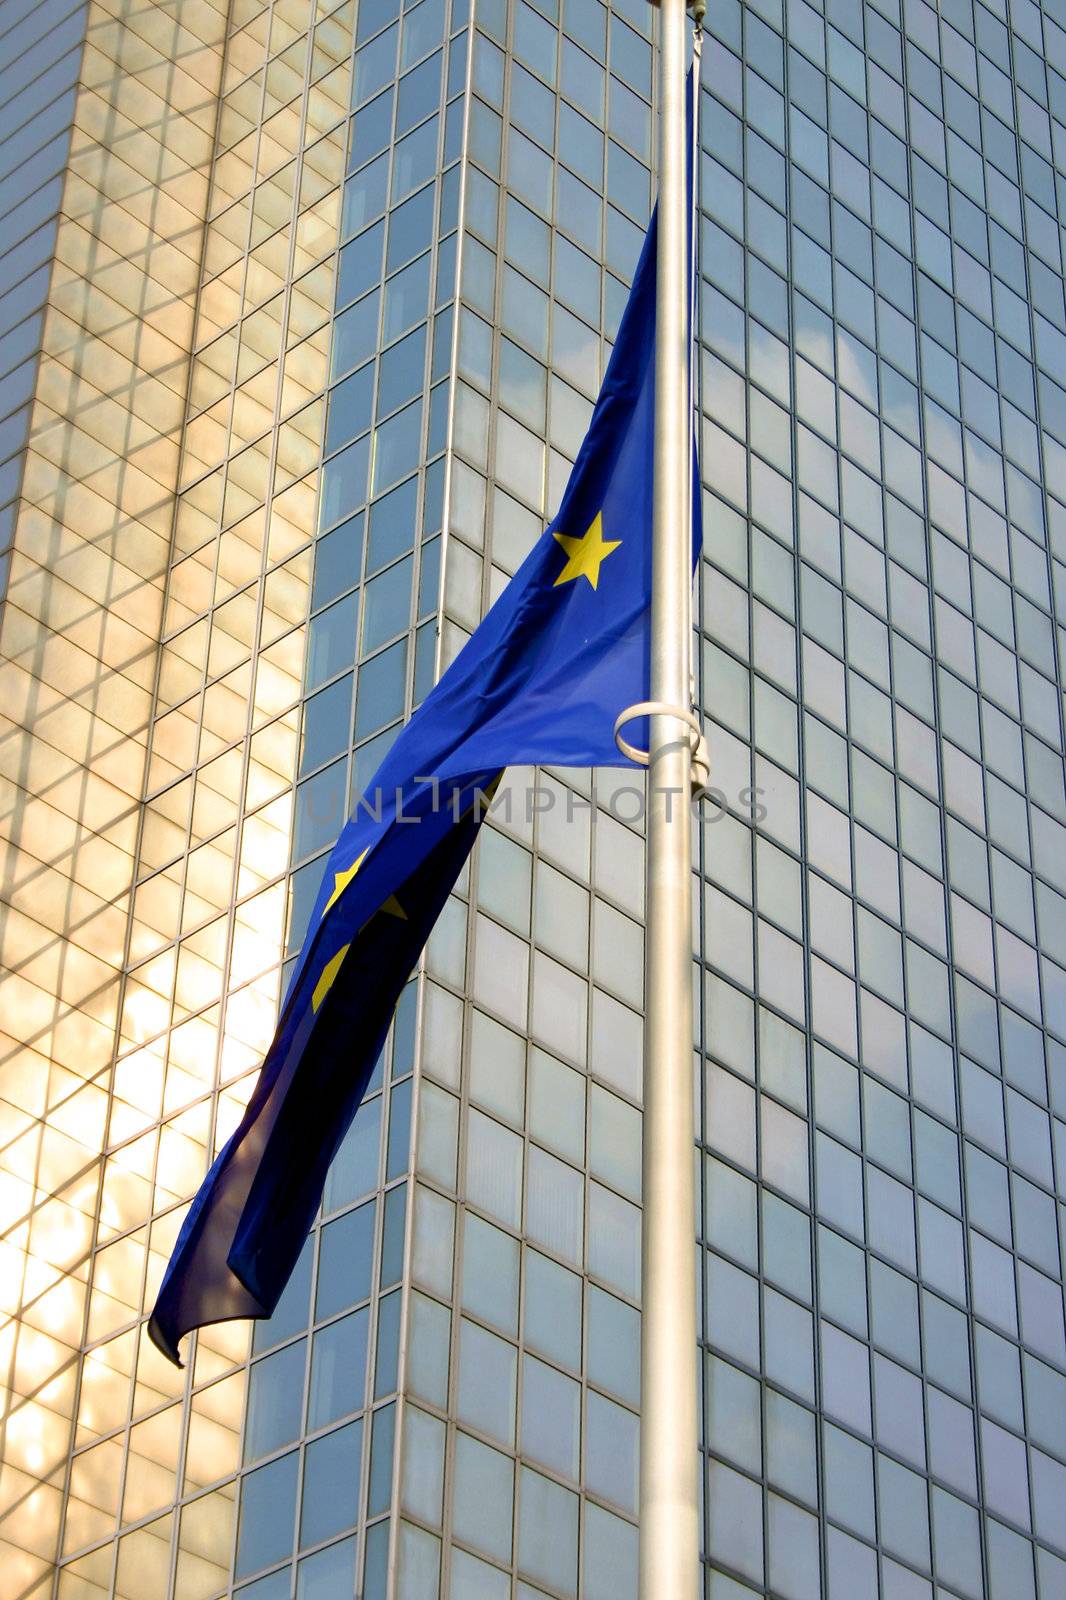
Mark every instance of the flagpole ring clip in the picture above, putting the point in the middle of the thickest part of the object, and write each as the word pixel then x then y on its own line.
pixel 697 743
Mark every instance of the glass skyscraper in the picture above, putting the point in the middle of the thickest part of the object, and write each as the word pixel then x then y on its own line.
pixel 303 308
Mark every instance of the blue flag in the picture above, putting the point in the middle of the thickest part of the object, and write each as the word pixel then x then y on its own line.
pixel 563 651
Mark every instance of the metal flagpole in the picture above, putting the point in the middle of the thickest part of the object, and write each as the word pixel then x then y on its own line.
pixel 669 1520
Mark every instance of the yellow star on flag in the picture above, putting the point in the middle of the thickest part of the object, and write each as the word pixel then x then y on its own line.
pixel 341 880
pixel 327 977
pixel 585 556
pixel 390 907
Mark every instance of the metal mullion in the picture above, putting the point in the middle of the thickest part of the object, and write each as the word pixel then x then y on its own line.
pixel 855 975
pixel 371 1408
pixel 459 1208
pixel 360 583
pixel 377 1295
pixel 365 1408
pixel 1056 647
pixel 701 940
pixel 406 1289
pixel 427 401
pixel 811 1215
pixel 949 946
pixel 459 1211
pixel 286 292
pixel 301 1442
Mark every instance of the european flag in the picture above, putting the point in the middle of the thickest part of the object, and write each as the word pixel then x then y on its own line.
pixel 563 651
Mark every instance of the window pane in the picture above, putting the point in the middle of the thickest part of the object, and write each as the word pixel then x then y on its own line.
pixel 327 724
pixel 614 1240
pixel 327 1573
pixel 354 1170
pixel 490 1274
pixel 268 1507
pixel 406 298
pixel 344 480
pixel 614 1344
pixel 344 1262
pixel 381 688
pixel 320 810
pixel 355 334
pixel 360 264
pixel 552 1310
pixel 392 526
pixel 483 1497
pixel 387 605
pixel 555 1205
pixel 487 1376
pixel 331 1483
pixel 494 1166
pixel 547 1532
pixel 350 407
pixel 275 1401
pixel 397 447
pixel 332 642
pixel 551 1405
pixel 338 556
pixel 402 371
pixel 611 1451
pixel 338 1369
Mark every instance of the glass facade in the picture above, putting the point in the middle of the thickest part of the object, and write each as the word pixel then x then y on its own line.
pixel 883 976
pixel 332 295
